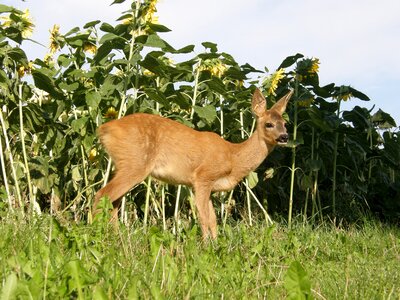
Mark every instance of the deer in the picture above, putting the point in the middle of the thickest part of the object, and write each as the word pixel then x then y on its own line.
pixel 142 145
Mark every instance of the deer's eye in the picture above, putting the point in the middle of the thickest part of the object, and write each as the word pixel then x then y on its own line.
pixel 269 125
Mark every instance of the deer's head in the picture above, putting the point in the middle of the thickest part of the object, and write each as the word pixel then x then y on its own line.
pixel 270 123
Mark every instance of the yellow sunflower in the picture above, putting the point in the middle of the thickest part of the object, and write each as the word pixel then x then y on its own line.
pixel 272 81
pixel 54 39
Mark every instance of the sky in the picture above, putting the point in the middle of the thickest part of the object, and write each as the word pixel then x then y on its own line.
pixel 357 42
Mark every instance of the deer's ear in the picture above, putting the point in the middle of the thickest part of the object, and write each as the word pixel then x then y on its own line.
pixel 280 106
pixel 258 104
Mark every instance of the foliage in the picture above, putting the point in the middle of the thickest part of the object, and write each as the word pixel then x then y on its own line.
pixel 48 258
pixel 340 163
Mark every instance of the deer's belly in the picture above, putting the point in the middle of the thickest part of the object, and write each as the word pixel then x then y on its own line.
pixel 224 184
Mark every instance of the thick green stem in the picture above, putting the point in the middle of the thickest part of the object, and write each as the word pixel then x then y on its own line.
pixel 176 212
pixel 147 203
pixel 221 100
pixel 293 166
pixel 3 170
pixel 34 206
pixel 335 151
pixel 14 172
pixel 310 174
pixel 196 87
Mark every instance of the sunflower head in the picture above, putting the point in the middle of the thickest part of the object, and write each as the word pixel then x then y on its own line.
pixel 92 154
pixel 55 39
pixel 111 113
pixel 214 65
pixel 342 93
pixel 271 82
pixel 20 21
pixel 89 47
pixel 306 68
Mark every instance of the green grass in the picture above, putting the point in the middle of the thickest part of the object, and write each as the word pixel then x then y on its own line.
pixel 40 258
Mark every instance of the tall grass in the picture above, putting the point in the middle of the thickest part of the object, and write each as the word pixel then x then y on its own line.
pixel 42 257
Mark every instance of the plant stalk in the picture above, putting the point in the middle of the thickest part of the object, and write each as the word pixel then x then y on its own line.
pixel 14 172
pixel 293 166
pixel 32 199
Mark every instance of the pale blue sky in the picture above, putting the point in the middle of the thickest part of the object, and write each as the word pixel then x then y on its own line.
pixel 356 41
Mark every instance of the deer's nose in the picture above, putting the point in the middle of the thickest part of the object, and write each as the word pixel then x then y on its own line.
pixel 283 138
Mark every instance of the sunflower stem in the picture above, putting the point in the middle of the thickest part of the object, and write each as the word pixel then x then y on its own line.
pixel 293 167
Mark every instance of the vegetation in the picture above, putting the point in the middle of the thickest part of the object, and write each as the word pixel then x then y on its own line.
pixel 47 259
pixel 340 165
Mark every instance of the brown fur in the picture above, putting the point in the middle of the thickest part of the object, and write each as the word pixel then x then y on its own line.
pixel 142 144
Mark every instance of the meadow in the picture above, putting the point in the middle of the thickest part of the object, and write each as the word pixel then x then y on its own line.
pixel 46 258
pixel 318 219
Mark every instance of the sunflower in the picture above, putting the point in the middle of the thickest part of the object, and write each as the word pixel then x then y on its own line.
pixel 111 113
pixel 149 16
pixel 272 81
pixel 92 154
pixel 214 65
pixel 23 22
pixel 314 66
pixel 22 70
pixel 55 39
pixel 89 47
pixel 307 68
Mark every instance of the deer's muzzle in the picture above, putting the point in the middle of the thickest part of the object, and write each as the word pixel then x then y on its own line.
pixel 283 138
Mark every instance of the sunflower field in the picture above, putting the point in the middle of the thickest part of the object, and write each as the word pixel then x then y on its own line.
pixel 327 202
pixel 341 164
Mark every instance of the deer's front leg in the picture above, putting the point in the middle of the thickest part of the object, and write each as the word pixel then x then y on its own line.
pixel 207 218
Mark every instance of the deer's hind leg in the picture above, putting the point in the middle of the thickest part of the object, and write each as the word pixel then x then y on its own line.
pixel 124 179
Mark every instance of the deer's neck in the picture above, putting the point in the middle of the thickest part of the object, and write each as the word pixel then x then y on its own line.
pixel 249 154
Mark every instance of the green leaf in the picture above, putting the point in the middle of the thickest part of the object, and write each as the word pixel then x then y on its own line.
pixel 305 182
pixel 157 96
pixel 69 87
pixel 79 125
pixel 76 175
pixel 324 91
pixel 358 116
pixel 158 27
pixel 297 283
pixel 318 119
pixel 216 85
pixel 109 37
pixel 106 27
pixel 207 113
pixel 212 46
pixel 99 293
pixel 358 94
pixel 74 269
pixel 91 24
pixel 383 120
pixel 315 164
pixel 46 83
pixel 72 31
pixel 184 50
pixel 253 179
pixel 10 287
pixel 290 60
pixel 235 73
pixel 155 41
pixel 269 173
pixel 3 77
pixel 103 51
pixel 93 99
pixel 5 8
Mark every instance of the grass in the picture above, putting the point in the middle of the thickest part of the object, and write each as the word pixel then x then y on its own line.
pixel 42 258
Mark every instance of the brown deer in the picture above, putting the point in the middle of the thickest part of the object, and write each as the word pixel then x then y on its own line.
pixel 143 144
